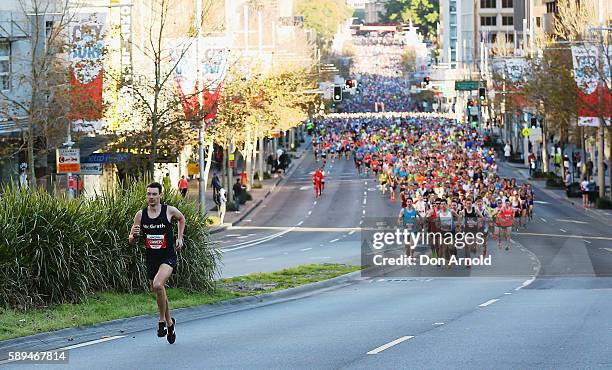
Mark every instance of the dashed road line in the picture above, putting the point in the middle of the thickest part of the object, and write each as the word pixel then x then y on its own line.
pixel 351 232
pixel 543 219
pixel 364 201
pixel 438 323
pixel 255 259
pixel 305 249
pixel 573 221
pixel 243 237
pixel 299 223
pixel 333 241
pixel 309 213
pixel 489 302
pixel 390 344
pixel 586 241
pixel 608 249
pixel 563 230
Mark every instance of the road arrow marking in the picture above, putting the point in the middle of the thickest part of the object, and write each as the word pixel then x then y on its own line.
pixel 390 344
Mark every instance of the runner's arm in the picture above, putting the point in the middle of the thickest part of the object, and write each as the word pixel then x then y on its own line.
pixel 135 230
pixel 175 213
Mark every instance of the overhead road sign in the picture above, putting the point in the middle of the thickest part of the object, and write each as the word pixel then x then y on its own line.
pixel 467 85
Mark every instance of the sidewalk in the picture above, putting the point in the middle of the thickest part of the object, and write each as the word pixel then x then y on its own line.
pixel 559 194
pixel 259 195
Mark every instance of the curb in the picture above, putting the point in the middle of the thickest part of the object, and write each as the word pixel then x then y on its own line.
pixel 132 325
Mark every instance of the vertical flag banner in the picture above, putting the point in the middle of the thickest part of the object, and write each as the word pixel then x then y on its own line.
pixel 211 55
pixel 86 40
pixel 586 74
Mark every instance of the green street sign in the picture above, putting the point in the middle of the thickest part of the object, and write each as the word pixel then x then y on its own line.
pixel 467 85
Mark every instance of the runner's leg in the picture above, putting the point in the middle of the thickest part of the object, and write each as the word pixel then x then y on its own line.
pixel 159 287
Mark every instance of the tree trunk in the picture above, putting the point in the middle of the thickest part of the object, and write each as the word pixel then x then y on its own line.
pixel 260 170
pixel 544 151
pixel 209 155
pixel 230 181
pixel 31 173
pixel 154 140
pixel 247 165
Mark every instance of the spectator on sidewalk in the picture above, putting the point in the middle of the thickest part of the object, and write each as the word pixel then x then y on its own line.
pixel 507 152
pixel 592 188
pixel 237 188
pixel 532 163
pixel 166 182
pixel 222 200
pixel 216 185
pixel 183 186
pixel 589 168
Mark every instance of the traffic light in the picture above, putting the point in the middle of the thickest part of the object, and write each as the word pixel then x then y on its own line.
pixel 426 80
pixel 337 93
pixel 350 84
pixel 482 93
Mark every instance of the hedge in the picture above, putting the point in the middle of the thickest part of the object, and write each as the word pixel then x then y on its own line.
pixel 55 250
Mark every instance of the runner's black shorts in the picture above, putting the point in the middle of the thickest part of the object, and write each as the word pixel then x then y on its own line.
pixel 153 262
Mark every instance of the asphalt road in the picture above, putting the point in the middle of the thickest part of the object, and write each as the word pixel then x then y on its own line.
pixel 543 304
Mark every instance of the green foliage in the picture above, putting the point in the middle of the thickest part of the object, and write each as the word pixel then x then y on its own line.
pixel 424 14
pixel 324 15
pixel 55 250
pixel 408 60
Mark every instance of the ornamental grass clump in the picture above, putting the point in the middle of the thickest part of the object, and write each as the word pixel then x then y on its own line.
pixel 56 250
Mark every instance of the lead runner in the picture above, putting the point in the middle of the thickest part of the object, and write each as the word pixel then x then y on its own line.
pixel 154 223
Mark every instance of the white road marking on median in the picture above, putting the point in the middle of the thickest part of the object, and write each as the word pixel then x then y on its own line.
pixel 390 344
pixel 351 232
pixel 586 241
pixel 333 241
pixel 489 302
pixel 299 223
pixel 255 259
pixel 305 249
pixel 563 230
pixel 540 202
pixel 574 221
pixel 543 219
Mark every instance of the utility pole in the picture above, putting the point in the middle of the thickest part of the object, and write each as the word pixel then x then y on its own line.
pixel 201 128
pixel 601 179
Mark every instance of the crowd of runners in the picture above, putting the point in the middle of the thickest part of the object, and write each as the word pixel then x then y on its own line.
pixel 440 173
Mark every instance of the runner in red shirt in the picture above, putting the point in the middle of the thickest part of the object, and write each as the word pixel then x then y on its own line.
pixel 316 181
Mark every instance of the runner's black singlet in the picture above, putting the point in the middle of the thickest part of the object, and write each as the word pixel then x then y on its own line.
pixel 158 240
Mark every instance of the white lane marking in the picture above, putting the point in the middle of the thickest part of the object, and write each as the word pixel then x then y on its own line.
pixel 565 236
pixel 364 211
pixel 305 249
pixel 315 203
pixel 360 222
pixel 333 241
pixel 507 293
pixel 304 187
pixel 438 323
pixel 586 241
pixel 428 280
pixel 351 232
pixel 390 344
pixel 273 236
pixel 489 302
pixel 365 193
pixel 525 283
pixel 248 220
pixel 84 344
pixel 299 223
pixel 366 182
pixel 608 249
pixel 574 221
pixel 309 213
pixel 540 202
pixel 255 259
pixel 543 219
pixel 231 235
pixel 364 201
pixel 243 237
pixel 563 230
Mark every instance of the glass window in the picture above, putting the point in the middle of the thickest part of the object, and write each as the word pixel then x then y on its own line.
pixel 488 21
pixel 507 4
pixel 5 66
pixel 507 20
pixel 488 4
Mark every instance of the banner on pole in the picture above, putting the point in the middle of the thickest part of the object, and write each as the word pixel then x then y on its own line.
pixel 588 80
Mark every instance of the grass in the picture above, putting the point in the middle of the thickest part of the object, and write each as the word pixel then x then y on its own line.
pixel 107 306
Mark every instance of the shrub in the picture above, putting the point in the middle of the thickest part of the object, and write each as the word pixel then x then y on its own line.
pixel 257 185
pixel 247 196
pixel 267 176
pixel 230 207
pixel 604 203
pixel 55 250
pixel 555 183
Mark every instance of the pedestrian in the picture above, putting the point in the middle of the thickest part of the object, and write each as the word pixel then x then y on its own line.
pixel 532 163
pixel 584 188
pixel 237 188
pixel 216 185
pixel 222 204
pixel 507 152
pixel 183 186
pixel 592 189
pixel 154 224
pixel 167 182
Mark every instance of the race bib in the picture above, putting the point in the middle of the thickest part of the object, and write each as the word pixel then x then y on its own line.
pixel 471 222
pixel 156 241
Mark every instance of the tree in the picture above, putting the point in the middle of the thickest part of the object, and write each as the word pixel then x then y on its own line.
pixel 423 13
pixel 408 61
pixel 41 77
pixel 324 16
